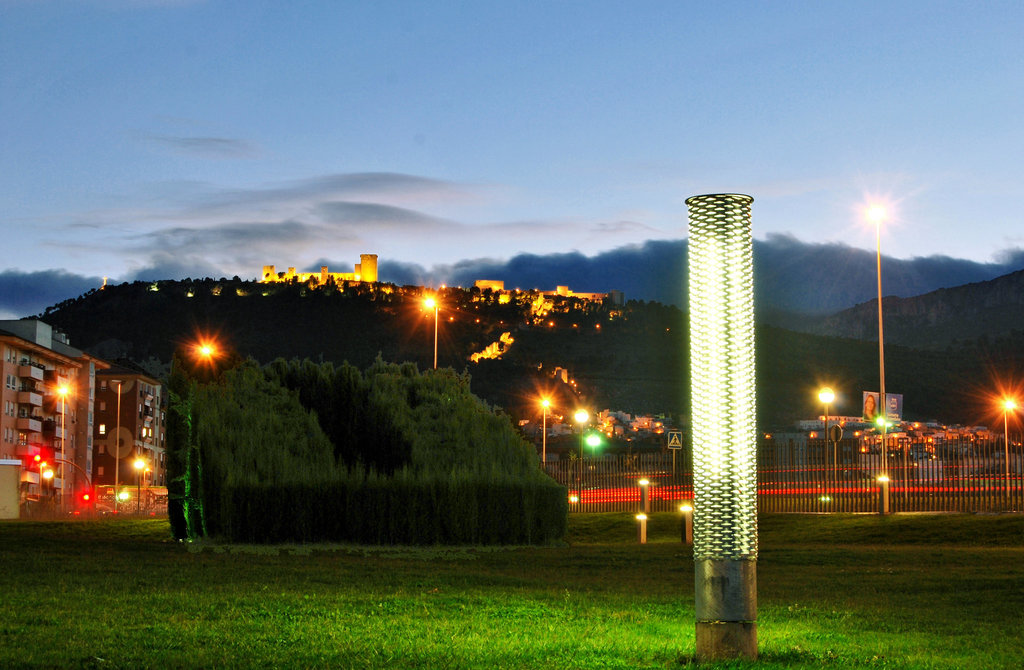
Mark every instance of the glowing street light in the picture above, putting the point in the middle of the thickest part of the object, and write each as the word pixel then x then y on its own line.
pixel 581 416
pixel 645 500
pixel 140 465
pixel 687 529
pixel 1009 405
pixel 877 214
pixel 545 403
pixel 723 397
pixel 205 350
pixel 62 391
pixel 117 444
pixel 826 396
pixel 431 303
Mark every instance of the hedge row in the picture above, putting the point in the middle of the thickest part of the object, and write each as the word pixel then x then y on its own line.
pixel 391 511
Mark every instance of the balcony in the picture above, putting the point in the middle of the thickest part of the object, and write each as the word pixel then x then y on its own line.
pixel 52 427
pixel 30 398
pixel 54 382
pixel 30 371
pixel 30 424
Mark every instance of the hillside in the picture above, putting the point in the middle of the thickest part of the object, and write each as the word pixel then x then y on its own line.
pixel 632 357
pixel 982 309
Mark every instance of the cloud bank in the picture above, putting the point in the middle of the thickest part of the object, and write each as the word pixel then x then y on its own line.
pixel 790 275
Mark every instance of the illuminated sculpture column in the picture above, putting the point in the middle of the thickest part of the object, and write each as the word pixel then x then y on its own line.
pixel 723 422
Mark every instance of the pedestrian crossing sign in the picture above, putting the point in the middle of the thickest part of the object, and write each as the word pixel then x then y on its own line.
pixel 675 439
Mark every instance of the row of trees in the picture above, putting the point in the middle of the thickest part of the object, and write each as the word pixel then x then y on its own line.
pixel 299 451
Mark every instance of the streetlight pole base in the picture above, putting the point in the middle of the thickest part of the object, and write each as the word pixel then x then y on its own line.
pixel 726 641
pixel 725 602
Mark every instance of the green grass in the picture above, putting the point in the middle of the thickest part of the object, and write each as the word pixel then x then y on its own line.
pixel 923 591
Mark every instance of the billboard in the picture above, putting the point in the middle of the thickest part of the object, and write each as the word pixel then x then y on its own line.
pixel 893 406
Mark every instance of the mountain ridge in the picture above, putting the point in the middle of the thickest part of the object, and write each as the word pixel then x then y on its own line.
pixel 938 318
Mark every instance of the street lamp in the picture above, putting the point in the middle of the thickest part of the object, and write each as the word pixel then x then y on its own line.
pixel 581 416
pixel 826 396
pixel 431 303
pixel 62 391
pixel 545 403
pixel 206 350
pixel 140 465
pixel 1009 405
pixel 46 472
pixel 117 444
pixel 877 214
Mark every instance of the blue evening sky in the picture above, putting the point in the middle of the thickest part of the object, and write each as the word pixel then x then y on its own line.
pixel 193 138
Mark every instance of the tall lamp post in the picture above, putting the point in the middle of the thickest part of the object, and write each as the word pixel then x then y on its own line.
pixel 117 444
pixel 62 391
pixel 140 465
pixel 877 214
pixel 826 396
pixel 1009 405
pixel 545 403
pixel 431 303
pixel 581 416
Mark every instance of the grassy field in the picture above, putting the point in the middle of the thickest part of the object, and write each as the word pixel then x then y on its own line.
pixel 923 591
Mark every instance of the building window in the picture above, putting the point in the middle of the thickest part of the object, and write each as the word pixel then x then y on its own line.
pixel 99 470
pixel 103 405
pixel 103 429
pixel 103 384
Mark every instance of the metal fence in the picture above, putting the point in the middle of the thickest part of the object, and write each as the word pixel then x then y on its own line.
pixel 963 475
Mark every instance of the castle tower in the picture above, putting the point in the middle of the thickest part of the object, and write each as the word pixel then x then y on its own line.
pixel 367 268
pixel 269 273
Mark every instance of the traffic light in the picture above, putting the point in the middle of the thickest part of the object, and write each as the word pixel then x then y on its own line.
pixel 42 457
pixel 593 440
pixel 85 498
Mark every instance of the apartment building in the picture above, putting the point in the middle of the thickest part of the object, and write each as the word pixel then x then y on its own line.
pixel 130 415
pixel 47 401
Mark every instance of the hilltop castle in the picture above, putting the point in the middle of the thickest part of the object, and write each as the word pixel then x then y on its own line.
pixel 365 271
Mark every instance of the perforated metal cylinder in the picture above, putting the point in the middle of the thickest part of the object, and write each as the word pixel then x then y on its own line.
pixel 722 377
pixel 723 421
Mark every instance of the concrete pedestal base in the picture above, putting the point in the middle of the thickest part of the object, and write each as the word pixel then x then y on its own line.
pixel 725 602
pixel 726 641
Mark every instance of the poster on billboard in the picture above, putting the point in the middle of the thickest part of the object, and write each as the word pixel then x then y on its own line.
pixel 893 406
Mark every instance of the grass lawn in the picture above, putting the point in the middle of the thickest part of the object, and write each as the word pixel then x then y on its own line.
pixel 921 591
